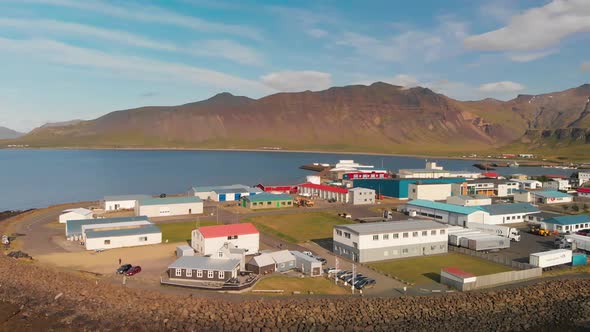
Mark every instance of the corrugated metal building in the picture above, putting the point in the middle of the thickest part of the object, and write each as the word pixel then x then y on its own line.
pixel 224 193
pixel 169 206
pixel 397 188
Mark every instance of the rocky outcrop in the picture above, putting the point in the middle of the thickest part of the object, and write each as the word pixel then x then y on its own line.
pixel 70 301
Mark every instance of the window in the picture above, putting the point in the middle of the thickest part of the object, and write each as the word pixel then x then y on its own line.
pixel 283 203
pixel 210 274
pixel 424 233
pixel 386 253
pixel 199 273
pixel 254 204
pixel 142 238
pixel 189 273
pixel 442 246
pixel 289 203
pixel 442 232
pixel 414 234
pixel 404 251
pixel 432 232
pixel 432 248
pixel 220 254
pixel 385 236
pixel 355 245
pixel 518 217
pixel 268 203
pixel 178 272
pixel 405 235
pixel 347 235
pixel 396 236
pixel 232 237
pixel 338 232
pixel 107 241
pixel 221 274
pixel 375 237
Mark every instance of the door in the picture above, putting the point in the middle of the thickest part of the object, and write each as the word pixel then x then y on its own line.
pixel 238 196
pixel 190 211
pixel 222 197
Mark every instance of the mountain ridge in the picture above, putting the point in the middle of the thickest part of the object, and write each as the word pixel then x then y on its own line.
pixel 7 133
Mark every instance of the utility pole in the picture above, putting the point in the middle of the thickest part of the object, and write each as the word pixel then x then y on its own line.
pixel 353 277
pixel 336 271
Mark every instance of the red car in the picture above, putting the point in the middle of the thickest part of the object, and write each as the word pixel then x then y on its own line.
pixel 133 271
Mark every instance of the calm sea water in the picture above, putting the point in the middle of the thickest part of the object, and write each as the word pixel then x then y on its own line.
pixel 38 178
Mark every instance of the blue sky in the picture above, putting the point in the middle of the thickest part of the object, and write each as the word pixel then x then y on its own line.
pixel 79 59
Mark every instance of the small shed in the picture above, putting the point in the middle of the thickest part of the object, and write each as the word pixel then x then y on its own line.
pixel 307 265
pixel 261 264
pixel 284 260
pixel 184 250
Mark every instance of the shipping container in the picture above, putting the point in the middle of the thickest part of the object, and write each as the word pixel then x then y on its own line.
pixel 551 258
pixel 579 242
pixel 579 259
pixel 464 241
pixel 489 243
pixel 499 230
pixel 454 239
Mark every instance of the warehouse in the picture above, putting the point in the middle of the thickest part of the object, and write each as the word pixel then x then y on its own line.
pixel 169 206
pixel 429 191
pixel 508 213
pixel 228 193
pixel 279 261
pixel 550 197
pixel 200 269
pixel 567 224
pixel 208 239
pixel 267 201
pixel 324 192
pixel 95 237
pixel 446 213
pixel 465 200
pixel 75 214
pixel 361 196
pixel 389 240
pixel 396 188
pixel 307 265
pixel 122 202
pixel 74 227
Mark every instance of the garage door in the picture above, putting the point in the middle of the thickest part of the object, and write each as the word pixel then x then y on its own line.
pixel 238 197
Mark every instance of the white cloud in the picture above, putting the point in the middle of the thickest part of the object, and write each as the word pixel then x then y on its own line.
pixel 151 14
pixel 317 33
pixel 229 50
pixel 291 81
pixel 530 56
pixel 536 28
pixel 498 10
pixel 501 87
pixel 585 66
pixel 132 66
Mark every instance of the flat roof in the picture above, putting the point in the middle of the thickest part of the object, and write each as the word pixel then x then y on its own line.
pixel 499 209
pixel 75 226
pixel 169 200
pixel 81 211
pixel 569 220
pixel 325 188
pixel 143 229
pixel 391 226
pixel 550 193
pixel 125 197
pixel 444 206
pixel 299 254
pixel 227 188
pixel 204 263
pixel 269 197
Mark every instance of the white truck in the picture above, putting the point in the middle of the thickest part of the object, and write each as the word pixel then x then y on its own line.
pixel 578 241
pixel 510 232
pixel 551 258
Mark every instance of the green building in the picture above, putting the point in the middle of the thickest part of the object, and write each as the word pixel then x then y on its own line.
pixel 267 201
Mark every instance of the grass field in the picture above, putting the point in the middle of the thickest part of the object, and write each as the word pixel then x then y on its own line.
pixel 180 231
pixel 303 285
pixel 299 227
pixel 427 268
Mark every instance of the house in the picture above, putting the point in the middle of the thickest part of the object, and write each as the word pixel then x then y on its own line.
pixel 465 200
pixel 169 206
pixel 279 261
pixel 324 192
pixel 567 224
pixel 498 214
pixel 486 187
pixel 580 178
pixel 227 251
pixel 278 189
pixel 208 239
pixel 557 184
pixel 529 184
pixel 397 188
pixel 349 166
pixel 389 240
pixel 228 193
pixel 429 191
pixel 122 202
pixel 583 192
pixel 204 269
pixel 75 214
pixel 361 196
pixel 267 201
pixel 549 197
pixel 432 171
pixel 307 265
pixel 445 213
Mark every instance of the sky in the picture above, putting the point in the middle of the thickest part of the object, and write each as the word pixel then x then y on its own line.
pixel 79 59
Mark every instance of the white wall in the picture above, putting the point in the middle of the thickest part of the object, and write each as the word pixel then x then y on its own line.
pixel 525 197
pixel 122 241
pixel 126 204
pixel 211 245
pixel 450 218
pixel 361 196
pixel 431 192
pixel 367 242
pixel 456 200
pixel 162 210
pixel 506 218
pixel 507 189
pixel 123 224
pixel 64 217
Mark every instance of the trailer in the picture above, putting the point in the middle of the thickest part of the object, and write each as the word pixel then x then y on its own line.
pixel 464 241
pixel 551 258
pixel 499 230
pixel 579 242
pixel 491 242
pixel 455 239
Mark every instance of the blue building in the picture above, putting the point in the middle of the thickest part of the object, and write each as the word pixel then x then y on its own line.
pixel 397 188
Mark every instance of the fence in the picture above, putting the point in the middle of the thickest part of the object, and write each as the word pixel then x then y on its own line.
pixel 493 258
pixel 492 280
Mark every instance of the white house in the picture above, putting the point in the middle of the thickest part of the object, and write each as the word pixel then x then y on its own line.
pixel 122 202
pixel 557 184
pixel 75 214
pixel 169 206
pixel 224 193
pixel 371 242
pixel 465 200
pixel 429 191
pixel 361 196
pixel 325 192
pixel 529 184
pixel 445 213
pixel 208 239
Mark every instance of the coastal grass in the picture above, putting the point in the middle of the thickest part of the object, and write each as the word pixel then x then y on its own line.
pixel 426 269
pixel 304 285
pixel 180 231
pixel 298 227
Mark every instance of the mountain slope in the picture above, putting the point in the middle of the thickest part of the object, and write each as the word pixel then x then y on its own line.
pixel 6 133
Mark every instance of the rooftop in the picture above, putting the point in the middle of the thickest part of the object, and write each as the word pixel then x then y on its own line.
pixel 126 197
pixel 546 215
pixel 262 260
pixel 232 188
pixel 75 226
pixel 282 256
pixel 391 226
pixel 444 206
pixel 268 197
pixel 80 211
pixel 583 190
pixel 300 255
pixel 499 209
pixel 143 229
pixel 550 194
pixel 569 220
pixel 204 263
pixel 227 230
pixel 325 188
pixel 169 200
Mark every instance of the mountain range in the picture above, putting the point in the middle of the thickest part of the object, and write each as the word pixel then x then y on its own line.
pixel 7 133
pixel 376 118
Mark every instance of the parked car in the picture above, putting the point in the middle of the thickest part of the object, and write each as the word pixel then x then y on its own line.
pixel 348 279
pixel 133 271
pixel 341 273
pixel 345 275
pixel 584 232
pixel 330 270
pixel 332 200
pixel 321 259
pixel 124 268
pixel 365 283
pixel 308 253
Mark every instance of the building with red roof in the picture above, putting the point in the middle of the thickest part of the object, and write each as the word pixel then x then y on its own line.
pixel 207 240
pixel 324 191
pixel 583 192
pixel 289 189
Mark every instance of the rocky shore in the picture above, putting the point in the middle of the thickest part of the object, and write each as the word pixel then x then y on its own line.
pixel 59 300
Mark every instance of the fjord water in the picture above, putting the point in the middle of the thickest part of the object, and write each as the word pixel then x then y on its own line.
pixel 38 178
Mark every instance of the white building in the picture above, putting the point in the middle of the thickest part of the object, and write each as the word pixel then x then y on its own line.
pixel 429 191
pixel 323 191
pixel 580 178
pixel 445 213
pixel 557 184
pixel 122 202
pixel 371 242
pixel 498 214
pixel 208 239
pixel 432 171
pixel 465 200
pixel 361 196
pixel 545 197
pixel 583 192
pixel 566 224
pixel 169 206
pixel 75 214
pixel 228 193
pixel 529 184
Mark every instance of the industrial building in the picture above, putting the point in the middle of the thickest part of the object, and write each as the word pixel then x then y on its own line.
pixel 122 202
pixel 498 214
pixel 307 265
pixel 465 200
pixel 267 201
pixel 376 174
pixel 445 213
pixel 432 171
pixel 279 261
pixel 169 206
pixel 543 197
pixel 324 192
pixel 208 239
pixel 361 196
pixel 396 188
pixel 291 189
pixel 75 214
pixel 486 187
pixel 349 166
pixel 389 240
pixel 566 224
pixel 429 191
pixel 583 192
pixel 228 193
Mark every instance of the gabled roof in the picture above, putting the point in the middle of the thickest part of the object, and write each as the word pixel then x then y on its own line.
pixel 268 197
pixel 204 263
pixel 169 200
pixel 569 220
pixel 550 193
pixel 325 188
pixel 499 209
pixel 583 190
pixel 125 197
pixel 262 260
pixel 227 230
pixel 444 206
pixel 282 256
pixel 80 211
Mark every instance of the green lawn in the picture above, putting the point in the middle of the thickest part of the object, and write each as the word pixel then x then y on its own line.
pixel 180 231
pixel 298 227
pixel 427 268
pixel 316 285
